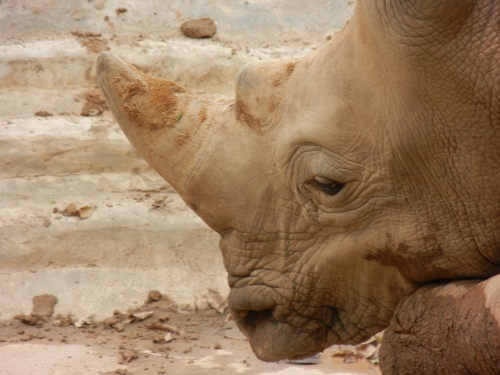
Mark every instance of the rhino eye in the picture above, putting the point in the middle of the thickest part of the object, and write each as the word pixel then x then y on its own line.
pixel 328 186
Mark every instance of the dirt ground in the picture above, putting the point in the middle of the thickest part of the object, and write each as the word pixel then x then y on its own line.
pixel 157 338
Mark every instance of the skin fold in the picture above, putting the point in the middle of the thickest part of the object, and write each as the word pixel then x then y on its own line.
pixel 343 181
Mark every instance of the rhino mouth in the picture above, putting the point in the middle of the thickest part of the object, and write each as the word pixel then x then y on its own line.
pixel 272 339
pixel 250 320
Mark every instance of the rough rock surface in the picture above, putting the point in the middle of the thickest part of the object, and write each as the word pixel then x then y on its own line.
pixel 44 305
pixel 201 28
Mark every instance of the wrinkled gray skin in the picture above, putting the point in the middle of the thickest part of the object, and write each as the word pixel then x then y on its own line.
pixel 401 110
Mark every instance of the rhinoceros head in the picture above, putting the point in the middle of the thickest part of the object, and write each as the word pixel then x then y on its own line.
pixel 341 181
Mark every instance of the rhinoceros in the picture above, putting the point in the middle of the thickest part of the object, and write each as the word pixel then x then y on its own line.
pixel 354 185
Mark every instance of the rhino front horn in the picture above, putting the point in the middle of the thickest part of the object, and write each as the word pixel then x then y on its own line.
pixel 166 124
pixel 154 114
pixel 140 104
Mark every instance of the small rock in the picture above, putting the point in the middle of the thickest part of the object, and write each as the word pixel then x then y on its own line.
pixel 200 28
pixel 168 337
pixel 46 223
pixel 202 303
pixel 110 321
pixel 158 338
pixel 63 321
pixel 70 210
pixel 43 114
pixel 159 326
pixel 120 327
pixel 164 327
pixel 85 34
pixel 164 318
pixel 44 305
pixel 121 10
pixel 129 355
pixel 30 319
pixel 143 315
pixel 84 321
pixel 153 296
pixel 85 212
pixel 216 301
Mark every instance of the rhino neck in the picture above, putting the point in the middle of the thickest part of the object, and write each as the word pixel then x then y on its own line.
pixel 449 49
pixel 437 69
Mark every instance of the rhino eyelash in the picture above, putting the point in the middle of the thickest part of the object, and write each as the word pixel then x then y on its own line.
pixel 326 185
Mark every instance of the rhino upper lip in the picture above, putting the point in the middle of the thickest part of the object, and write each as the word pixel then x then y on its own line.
pixel 233 281
pixel 252 297
pixel 250 304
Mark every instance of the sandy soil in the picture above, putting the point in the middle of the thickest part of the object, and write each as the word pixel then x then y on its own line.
pixel 157 338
